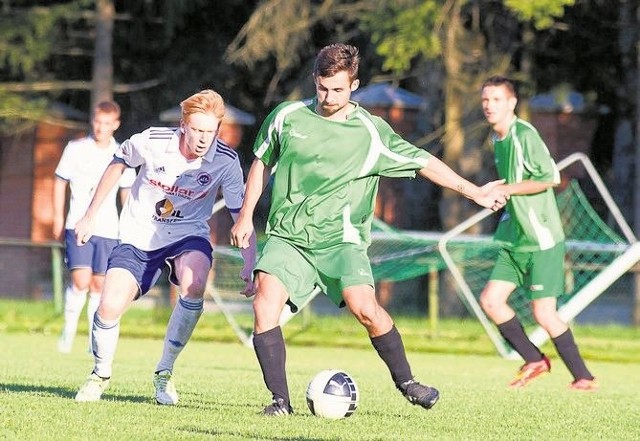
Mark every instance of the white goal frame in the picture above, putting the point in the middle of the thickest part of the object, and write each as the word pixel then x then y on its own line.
pixel 247 337
pixel 579 300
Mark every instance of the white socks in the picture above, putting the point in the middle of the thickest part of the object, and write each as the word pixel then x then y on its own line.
pixel 92 307
pixel 183 321
pixel 73 304
pixel 105 335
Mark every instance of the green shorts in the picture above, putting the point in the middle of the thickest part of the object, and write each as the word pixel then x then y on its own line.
pixel 540 273
pixel 300 269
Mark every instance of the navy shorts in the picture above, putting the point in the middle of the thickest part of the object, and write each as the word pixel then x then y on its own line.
pixel 93 254
pixel 146 266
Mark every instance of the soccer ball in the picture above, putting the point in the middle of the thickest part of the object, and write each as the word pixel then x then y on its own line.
pixel 332 394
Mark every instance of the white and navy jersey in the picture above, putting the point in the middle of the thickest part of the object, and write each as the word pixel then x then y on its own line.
pixel 82 165
pixel 173 197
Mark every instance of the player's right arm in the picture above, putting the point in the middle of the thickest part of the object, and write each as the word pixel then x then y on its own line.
pixel 84 227
pixel 257 180
pixel 491 195
pixel 64 173
pixel 59 203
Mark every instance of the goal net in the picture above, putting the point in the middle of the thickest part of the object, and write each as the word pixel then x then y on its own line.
pixel 597 254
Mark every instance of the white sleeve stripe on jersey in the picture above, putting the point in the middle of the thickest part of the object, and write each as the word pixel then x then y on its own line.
pixel 161 132
pixel 276 125
pixel 378 148
pixel 522 164
pixel 519 154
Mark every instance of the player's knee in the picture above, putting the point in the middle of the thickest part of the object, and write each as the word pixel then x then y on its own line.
pixel 194 291
pixel 547 318
pixel 264 301
pixel 79 289
pixel 96 286
pixel 109 311
pixel 367 314
pixel 487 303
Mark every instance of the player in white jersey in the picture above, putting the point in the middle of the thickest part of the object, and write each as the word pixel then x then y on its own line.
pixel 80 168
pixel 164 222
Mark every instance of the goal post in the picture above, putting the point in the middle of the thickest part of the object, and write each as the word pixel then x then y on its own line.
pixel 224 288
pixel 597 256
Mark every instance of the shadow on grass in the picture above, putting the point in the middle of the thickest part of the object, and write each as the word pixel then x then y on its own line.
pixel 62 392
pixel 301 410
pixel 256 435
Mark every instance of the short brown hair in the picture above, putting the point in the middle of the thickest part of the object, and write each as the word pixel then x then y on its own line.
pixel 107 107
pixel 337 58
pixel 499 80
pixel 205 101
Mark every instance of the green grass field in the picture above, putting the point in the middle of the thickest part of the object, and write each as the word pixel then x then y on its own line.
pixel 222 394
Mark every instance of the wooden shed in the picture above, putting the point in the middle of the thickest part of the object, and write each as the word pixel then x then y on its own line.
pixel 402 203
pixel 404 111
pixel 566 125
pixel 29 159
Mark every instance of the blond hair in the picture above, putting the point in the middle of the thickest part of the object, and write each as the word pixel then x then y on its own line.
pixel 205 101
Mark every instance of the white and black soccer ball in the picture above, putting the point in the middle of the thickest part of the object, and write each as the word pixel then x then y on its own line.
pixel 332 394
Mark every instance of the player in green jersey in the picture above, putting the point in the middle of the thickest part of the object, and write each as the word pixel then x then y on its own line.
pixel 532 240
pixel 330 154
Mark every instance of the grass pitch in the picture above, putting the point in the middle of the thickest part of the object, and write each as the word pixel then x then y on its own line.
pixel 222 395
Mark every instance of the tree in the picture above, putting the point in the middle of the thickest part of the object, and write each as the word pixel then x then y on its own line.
pixel 289 32
pixel 28 35
pixel 102 88
pixel 471 39
pixel 63 51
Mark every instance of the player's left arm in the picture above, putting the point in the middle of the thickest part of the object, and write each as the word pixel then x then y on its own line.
pixel 399 158
pixel 249 256
pixel 491 195
pixel 541 171
pixel 526 187
pixel 233 190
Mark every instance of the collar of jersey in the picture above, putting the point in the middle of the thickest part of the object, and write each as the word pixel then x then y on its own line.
pixel 113 144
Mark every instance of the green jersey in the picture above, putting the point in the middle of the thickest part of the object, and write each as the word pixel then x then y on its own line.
pixel 327 172
pixel 529 222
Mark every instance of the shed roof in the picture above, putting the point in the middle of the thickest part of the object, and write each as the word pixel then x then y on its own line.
pixel 63 111
pixel 387 95
pixel 569 102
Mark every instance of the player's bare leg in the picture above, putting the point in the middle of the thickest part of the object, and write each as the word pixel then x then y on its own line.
pixel 385 338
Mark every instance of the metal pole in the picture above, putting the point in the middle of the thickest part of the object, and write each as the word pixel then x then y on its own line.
pixel 433 300
pixel 56 279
